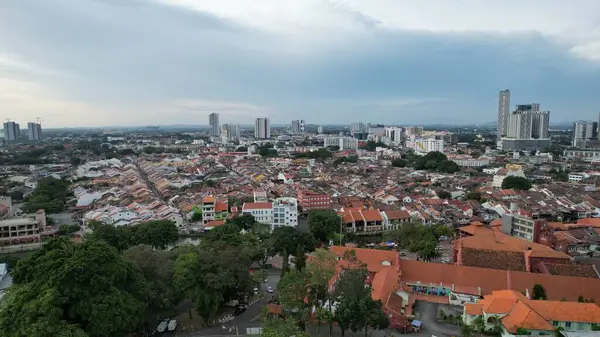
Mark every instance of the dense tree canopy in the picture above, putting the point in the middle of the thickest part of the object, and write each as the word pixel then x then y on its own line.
pixel 286 240
pixel 435 161
pixel 57 292
pixel 157 268
pixel 420 239
pixel 50 195
pixel 516 183
pixel 158 234
pixel 323 224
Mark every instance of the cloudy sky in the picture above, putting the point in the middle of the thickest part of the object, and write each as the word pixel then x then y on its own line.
pixel 141 62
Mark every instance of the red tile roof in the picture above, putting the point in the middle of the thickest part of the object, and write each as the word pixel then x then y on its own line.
pixel 257 205
pixel 557 287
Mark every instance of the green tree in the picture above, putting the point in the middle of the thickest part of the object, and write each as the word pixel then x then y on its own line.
pixel 539 293
pixel 374 316
pixel 158 234
pixel 244 221
pixel 68 229
pixel 516 183
pixel 443 194
pixel 57 293
pixel 356 310
pixel 479 324
pixel 466 330
pixel 474 195
pixel 320 269
pixel 285 241
pixel 399 162
pixel 279 327
pixel 293 290
pixel 211 275
pixel 157 268
pixel 323 224
pixel 50 195
pixel 300 258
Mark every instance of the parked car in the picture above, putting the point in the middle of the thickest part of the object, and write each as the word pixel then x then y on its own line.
pixel 270 290
pixel 239 310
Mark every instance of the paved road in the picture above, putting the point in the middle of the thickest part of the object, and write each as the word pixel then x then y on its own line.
pixel 249 319
pixel 428 315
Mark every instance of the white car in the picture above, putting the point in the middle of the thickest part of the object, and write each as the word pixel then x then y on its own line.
pixel 270 290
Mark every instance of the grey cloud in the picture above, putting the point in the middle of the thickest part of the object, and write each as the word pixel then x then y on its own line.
pixel 128 54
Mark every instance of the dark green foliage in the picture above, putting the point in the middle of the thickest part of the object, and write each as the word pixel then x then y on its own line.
pixel 323 224
pixel 321 153
pixel 286 240
pixel 49 195
pixel 73 289
pixel 435 161
pixel 516 183
pixel 158 234
pixel 399 162
pixel 442 194
pixel 538 293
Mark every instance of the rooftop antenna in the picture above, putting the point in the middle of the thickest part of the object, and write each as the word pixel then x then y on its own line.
pixel 39 120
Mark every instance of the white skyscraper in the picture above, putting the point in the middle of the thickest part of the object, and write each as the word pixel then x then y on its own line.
pixel 528 122
pixel 298 126
pixel 34 131
pixel 213 122
pixel 394 134
pixel 262 128
pixel 11 131
pixel 230 132
pixel 503 111
pixel 584 131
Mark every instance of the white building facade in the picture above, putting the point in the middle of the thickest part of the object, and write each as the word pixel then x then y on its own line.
pixel 345 143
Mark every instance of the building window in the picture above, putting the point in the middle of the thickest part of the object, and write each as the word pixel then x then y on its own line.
pixel 554 323
pixel 568 324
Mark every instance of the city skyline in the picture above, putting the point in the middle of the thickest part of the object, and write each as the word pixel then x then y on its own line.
pixel 271 60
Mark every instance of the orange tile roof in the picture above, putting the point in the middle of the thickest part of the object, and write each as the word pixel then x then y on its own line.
pixel 397 214
pixel 371 257
pixel 208 199
pixel 566 311
pixel 372 215
pixel 474 309
pixel 592 222
pixel 215 223
pixel 522 316
pixel 221 206
pixel 474 228
pixel 257 205
pixel 488 280
pixel 496 223
pixel 494 240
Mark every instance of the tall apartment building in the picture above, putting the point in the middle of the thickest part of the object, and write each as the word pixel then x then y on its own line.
pixel 320 129
pixel 584 131
pixel 213 123
pixel 262 128
pixel 230 132
pixel 345 143
pixel 34 131
pixel 11 131
pixel 413 131
pixel 527 128
pixel 394 134
pixel 298 126
pixel 503 110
